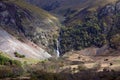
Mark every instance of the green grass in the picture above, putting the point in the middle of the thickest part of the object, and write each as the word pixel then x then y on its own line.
pixel 4 60
pixel 5 57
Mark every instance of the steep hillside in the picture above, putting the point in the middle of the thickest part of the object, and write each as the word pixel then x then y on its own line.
pixel 10 45
pixel 27 25
pixel 92 26
pixel 87 22
pixel 23 20
pixel 65 7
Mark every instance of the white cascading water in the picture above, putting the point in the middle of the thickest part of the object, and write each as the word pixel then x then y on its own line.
pixel 58 52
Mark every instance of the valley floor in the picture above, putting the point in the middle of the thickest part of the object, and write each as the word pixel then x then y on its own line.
pixel 91 62
pixel 73 66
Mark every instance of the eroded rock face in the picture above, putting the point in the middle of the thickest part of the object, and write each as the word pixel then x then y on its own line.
pixel 110 9
pixel 118 6
pixel 22 22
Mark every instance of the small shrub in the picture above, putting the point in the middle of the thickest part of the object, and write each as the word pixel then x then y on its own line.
pixel 7 61
pixel 4 60
pixel 19 55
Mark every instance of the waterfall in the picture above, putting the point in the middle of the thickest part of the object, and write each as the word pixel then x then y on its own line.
pixel 57 48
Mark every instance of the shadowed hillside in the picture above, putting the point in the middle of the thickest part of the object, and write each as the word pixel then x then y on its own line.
pixel 65 7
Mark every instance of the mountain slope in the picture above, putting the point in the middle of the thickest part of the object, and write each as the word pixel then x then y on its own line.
pixel 63 7
pixel 92 27
pixel 28 25
pixel 87 22
pixel 10 45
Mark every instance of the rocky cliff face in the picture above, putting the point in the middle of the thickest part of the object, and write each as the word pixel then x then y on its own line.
pixel 24 20
pixel 27 22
